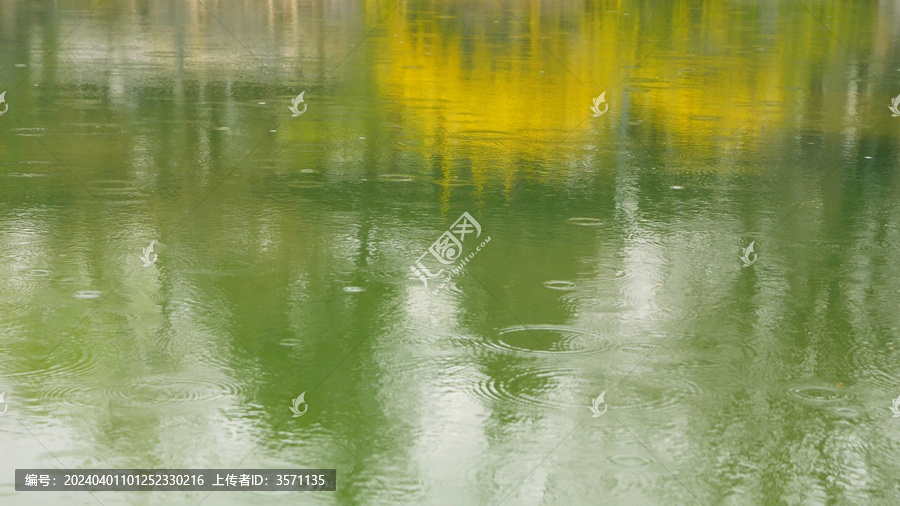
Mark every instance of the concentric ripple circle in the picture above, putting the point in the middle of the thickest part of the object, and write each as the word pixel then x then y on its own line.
pixel 156 391
pixel 21 288
pixel 397 178
pixel 547 339
pixel 565 286
pixel 26 174
pixel 69 394
pixel 585 222
pixel 87 294
pixel 652 393
pixel 817 393
pixel 146 392
pixel 629 460
pixel 69 360
pixel 16 308
pixel 541 387
pixel 38 273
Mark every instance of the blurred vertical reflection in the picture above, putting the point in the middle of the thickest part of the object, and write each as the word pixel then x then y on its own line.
pixel 285 243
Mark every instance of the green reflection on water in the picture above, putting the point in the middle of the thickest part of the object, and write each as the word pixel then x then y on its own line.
pixel 285 244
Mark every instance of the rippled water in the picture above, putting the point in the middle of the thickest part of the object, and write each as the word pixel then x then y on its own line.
pixel 286 248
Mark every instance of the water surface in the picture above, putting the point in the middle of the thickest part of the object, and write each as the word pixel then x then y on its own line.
pixel 284 247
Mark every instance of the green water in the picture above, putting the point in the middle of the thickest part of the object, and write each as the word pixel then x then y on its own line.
pixel 284 248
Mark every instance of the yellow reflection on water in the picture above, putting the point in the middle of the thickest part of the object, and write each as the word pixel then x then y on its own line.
pixel 713 78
